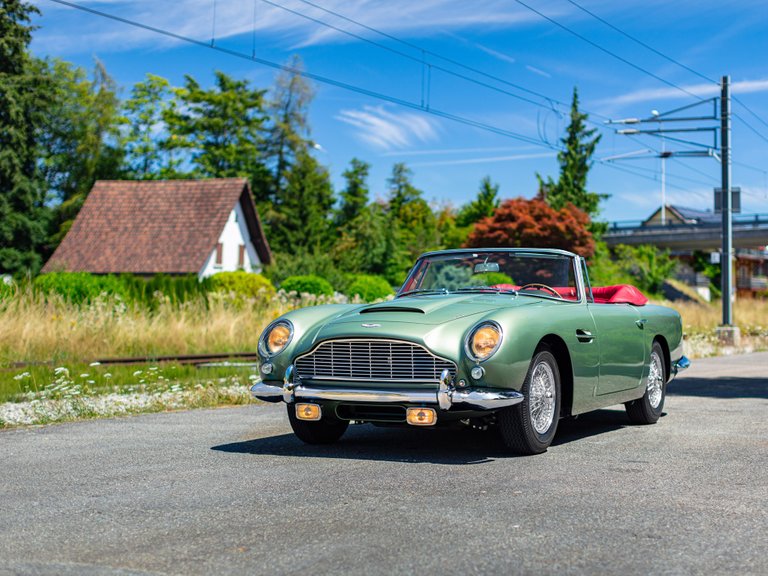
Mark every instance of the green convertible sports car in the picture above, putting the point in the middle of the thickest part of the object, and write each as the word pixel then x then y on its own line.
pixel 514 338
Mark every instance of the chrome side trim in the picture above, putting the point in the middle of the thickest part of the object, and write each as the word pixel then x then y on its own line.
pixel 446 396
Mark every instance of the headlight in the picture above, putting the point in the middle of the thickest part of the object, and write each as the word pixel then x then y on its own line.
pixel 483 341
pixel 275 338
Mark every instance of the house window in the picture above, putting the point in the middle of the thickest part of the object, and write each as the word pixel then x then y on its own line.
pixel 241 257
pixel 219 254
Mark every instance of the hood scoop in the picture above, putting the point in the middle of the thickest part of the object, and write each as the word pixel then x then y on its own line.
pixel 374 309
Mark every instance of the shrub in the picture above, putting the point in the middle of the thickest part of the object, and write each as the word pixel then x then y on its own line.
pixel 369 287
pixel 177 289
pixel 242 285
pixel 307 285
pixel 649 266
pixel 78 287
pixel 83 287
pixel 304 263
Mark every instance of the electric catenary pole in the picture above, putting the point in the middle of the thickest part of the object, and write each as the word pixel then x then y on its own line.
pixel 698 149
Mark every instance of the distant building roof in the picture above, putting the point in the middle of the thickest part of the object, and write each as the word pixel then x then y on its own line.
pixel 155 226
pixel 682 215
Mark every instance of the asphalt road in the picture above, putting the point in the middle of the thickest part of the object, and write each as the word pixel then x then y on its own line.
pixel 231 491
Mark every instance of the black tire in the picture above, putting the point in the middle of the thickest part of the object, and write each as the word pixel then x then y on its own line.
pixel 516 425
pixel 327 430
pixel 647 410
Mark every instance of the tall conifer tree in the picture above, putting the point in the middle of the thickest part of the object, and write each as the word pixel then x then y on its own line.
pixel 22 212
pixel 575 161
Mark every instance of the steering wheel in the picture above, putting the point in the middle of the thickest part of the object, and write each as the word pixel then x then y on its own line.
pixel 537 286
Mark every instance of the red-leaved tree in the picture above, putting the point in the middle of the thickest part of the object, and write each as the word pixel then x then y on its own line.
pixel 534 224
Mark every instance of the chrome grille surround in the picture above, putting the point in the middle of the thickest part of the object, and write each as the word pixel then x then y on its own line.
pixel 372 359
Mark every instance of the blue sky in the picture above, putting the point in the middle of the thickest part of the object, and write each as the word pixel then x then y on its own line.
pixel 529 66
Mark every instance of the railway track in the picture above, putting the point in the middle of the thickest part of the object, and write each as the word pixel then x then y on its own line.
pixel 195 359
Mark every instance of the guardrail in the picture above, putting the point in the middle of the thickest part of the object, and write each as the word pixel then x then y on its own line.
pixel 742 221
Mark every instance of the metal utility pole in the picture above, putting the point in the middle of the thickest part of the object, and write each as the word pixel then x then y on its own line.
pixel 726 260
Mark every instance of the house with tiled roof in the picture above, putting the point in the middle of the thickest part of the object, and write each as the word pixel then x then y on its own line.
pixel 165 226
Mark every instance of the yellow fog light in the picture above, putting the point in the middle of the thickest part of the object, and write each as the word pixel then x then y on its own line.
pixel 421 416
pixel 308 412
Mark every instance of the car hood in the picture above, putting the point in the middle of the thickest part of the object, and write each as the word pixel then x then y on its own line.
pixel 429 310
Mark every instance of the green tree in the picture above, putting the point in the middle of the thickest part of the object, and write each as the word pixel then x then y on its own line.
pixel 362 246
pixel 23 97
pixel 482 206
pixel 78 143
pixel 575 161
pixel 221 127
pixel 303 221
pixel 648 266
pixel 354 197
pixel 401 190
pixel 412 224
pixel 288 133
pixel 147 143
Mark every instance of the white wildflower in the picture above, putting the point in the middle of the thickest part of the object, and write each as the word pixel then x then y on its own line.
pixel 95 364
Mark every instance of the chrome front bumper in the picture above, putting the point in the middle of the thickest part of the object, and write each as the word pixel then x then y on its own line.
pixel 446 396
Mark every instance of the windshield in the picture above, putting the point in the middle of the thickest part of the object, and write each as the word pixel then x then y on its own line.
pixel 529 273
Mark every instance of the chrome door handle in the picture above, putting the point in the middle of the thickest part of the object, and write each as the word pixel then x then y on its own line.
pixel 641 323
pixel 584 335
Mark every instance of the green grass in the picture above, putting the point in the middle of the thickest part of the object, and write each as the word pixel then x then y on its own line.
pixel 73 380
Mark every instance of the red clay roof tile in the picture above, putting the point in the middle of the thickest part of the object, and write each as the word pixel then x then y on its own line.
pixel 154 226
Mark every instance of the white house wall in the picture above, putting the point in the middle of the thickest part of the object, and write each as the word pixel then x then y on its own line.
pixel 234 235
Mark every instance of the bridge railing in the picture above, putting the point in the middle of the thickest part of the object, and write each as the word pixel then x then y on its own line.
pixel 739 220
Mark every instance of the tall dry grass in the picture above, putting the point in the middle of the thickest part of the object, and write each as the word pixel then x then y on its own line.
pixel 36 328
pixel 750 315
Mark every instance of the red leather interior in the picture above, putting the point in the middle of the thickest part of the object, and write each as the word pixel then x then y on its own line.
pixel 620 294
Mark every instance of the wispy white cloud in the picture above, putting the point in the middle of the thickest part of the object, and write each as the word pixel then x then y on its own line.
pixel 486 160
pixel 496 54
pixel 449 151
pixel 194 18
pixel 703 90
pixel 386 130
pixel 538 71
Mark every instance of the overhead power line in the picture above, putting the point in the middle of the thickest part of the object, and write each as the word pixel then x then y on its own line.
pixel 606 51
pixel 312 76
pixel 641 43
pixel 672 60
pixel 751 128
pixel 425 51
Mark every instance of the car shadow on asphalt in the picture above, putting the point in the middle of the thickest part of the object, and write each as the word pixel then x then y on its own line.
pixel 727 387
pixel 435 446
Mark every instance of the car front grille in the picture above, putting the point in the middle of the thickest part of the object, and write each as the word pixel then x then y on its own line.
pixel 372 360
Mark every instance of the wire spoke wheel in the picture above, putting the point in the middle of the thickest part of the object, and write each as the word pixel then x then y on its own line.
pixel 529 427
pixel 542 397
pixel 655 381
pixel 648 409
